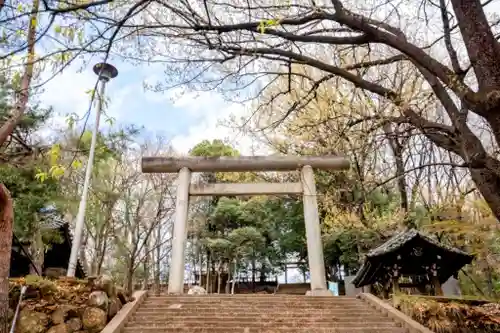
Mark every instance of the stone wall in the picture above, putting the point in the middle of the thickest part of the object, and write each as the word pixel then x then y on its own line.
pixel 65 305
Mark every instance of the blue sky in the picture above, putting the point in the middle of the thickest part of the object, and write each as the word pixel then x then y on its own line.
pixel 184 118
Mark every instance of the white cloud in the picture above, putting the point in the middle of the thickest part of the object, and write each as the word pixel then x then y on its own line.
pixel 67 92
pixel 214 111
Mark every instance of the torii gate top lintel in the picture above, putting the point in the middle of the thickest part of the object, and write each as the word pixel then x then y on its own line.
pixel 242 163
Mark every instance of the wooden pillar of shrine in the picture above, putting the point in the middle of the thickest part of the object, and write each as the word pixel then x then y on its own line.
pixel 395 279
pixel 433 273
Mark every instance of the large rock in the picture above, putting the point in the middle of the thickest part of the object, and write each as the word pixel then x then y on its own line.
pixel 63 312
pixel 114 306
pixel 197 290
pixel 74 324
pixel 94 319
pixel 61 328
pixel 122 296
pixel 106 284
pixel 99 299
pixel 32 322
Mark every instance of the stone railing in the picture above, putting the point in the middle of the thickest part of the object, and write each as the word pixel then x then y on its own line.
pixel 119 321
pixel 394 314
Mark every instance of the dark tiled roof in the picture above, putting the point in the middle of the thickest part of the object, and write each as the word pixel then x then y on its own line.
pixel 397 241
pixel 372 266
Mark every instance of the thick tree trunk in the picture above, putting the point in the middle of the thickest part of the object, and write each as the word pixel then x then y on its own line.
pixel 493 119
pixel 488 185
pixel 482 47
pixel 6 220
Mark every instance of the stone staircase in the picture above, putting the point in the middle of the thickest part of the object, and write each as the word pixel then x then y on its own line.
pixel 258 313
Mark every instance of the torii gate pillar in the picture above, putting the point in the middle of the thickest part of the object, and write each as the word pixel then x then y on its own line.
pixel 306 187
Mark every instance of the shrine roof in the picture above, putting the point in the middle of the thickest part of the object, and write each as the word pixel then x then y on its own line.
pixel 411 251
pixel 396 242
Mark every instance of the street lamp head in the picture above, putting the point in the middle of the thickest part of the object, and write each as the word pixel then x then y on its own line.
pixel 105 71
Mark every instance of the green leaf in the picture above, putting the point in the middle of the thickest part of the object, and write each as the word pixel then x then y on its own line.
pixel 57 171
pixel 41 176
pixel 110 121
pixel 76 164
pixel 54 153
pixel 70 120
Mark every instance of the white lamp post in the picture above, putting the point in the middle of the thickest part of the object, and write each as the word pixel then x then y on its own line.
pixel 105 72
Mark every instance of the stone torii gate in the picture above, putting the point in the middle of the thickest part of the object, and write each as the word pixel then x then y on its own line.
pixel 306 187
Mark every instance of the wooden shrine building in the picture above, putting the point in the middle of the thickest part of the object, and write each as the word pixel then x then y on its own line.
pixel 56 256
pixel 411 260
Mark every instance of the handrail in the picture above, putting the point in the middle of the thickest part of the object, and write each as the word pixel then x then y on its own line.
pixel 18 307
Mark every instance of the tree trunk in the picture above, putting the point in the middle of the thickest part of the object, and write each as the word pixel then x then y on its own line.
pixel 214 275
pixel 253 273
pixel 83 255
pixel 208 272
pixel 227 288
pixel 157 261
pixel 100 258
pixel 130 277
pixel 484 54
pixel 201 268
pixel 37 249
pixel 488 185
pixel 22 99
pixel 145 283
pixel 6 219
pixel 235 273
pixel 218 277
pixel 397 150
pixel 482 47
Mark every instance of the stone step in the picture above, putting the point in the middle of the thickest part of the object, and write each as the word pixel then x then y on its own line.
pixel 245 306
pixel 253 301
pixel 264 326
pixel 245 310
pixel 242 305
pixel 312 322
pixel 372 318
pixel 258 314
pixel 265 330
pixel 250 297
pixel 153 295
